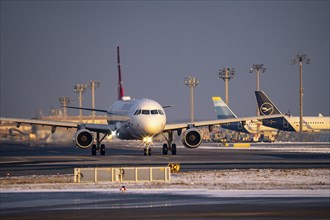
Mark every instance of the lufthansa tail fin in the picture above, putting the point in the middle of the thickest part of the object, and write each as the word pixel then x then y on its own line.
pixel 222 110
pixel 120 82
pixel 265 105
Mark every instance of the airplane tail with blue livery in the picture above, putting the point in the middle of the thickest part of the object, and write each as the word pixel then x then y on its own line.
pixel 222 110
pixel 265 105
pixel 288 122
pixel 249 127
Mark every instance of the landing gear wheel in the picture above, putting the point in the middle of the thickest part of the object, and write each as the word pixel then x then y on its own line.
pixel 147 151
pixel 94 150
pixel 165 149
pixel 173 149
pixel 102 150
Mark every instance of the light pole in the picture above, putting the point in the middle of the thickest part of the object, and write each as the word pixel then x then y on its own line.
pixel 301 59
pixel 92 85
pixel 64 101
pixel 259 68
pixel 80 89
pixel 226 74
pixel 191 82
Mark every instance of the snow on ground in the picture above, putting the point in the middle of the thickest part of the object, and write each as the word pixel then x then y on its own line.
pixel 296 147
pixel 308 181
pixel 325 150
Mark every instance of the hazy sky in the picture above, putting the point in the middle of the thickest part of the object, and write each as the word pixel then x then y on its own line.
pixel 48 46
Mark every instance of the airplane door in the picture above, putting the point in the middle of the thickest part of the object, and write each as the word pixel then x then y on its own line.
pixel 240 125
pixel 285 123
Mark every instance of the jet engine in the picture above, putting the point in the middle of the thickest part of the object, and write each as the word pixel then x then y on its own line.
pixel 84 138
pixel 191 138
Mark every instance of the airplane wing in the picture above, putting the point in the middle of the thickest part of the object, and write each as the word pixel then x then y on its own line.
pixel 169 127
pixel 103 128
pixel 63 124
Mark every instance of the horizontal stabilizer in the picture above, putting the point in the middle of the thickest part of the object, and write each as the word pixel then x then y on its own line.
pixel 87 109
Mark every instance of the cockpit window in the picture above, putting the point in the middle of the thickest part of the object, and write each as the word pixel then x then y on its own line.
pixel 145 112
pixel 137 112
pixel 154 112
pixel 160 112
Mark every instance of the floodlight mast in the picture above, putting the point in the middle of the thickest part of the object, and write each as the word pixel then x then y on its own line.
pixel 258 68
pixel 64 101
pixel 80 89
pixel 226 74
pixel 191 82
pixel 300 59
pixel 92 85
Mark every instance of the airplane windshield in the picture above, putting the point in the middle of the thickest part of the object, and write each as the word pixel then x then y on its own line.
pixel 154 112
pixel 145 112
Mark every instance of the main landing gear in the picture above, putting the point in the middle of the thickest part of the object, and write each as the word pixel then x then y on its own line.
pixel 172 149
pixel 169 146
pixel 98 146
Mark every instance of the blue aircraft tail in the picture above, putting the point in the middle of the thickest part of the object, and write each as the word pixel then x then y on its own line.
pixel 265 105
pixel 222 110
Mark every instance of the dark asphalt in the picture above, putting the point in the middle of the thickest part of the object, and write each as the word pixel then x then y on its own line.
pixel 103 205
pixel 49 159
pixel 25 160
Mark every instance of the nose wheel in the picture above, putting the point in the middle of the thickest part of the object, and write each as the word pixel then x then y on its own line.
pixel 147 150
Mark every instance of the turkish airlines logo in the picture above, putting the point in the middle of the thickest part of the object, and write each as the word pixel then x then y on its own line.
pixel 266 108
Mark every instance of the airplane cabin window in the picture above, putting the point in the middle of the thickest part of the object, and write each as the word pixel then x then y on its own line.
pixel 154 112
pixel 145 112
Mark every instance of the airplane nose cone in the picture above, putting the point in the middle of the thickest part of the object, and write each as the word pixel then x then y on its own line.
pixel 152 126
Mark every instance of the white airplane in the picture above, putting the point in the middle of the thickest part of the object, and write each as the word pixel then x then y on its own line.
pixel 288 122
pixel 131 119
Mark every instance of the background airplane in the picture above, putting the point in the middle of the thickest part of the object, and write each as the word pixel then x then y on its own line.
pixel 131 119
pixel 251 127
pixel 288 122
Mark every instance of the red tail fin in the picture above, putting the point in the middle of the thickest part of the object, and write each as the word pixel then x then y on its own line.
pixel 120 82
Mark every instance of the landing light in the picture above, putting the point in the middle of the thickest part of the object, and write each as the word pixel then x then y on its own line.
pixel 147 139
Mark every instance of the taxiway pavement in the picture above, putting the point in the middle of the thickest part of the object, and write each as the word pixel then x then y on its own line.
pixel 159 205
pixel 21 160
pixel 18 160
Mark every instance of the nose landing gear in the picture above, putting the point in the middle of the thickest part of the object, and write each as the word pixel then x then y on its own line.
pixel 147 141
pixel 147 150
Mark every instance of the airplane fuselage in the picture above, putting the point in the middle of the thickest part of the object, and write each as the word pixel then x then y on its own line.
pixel 249 127
pixel 310 124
